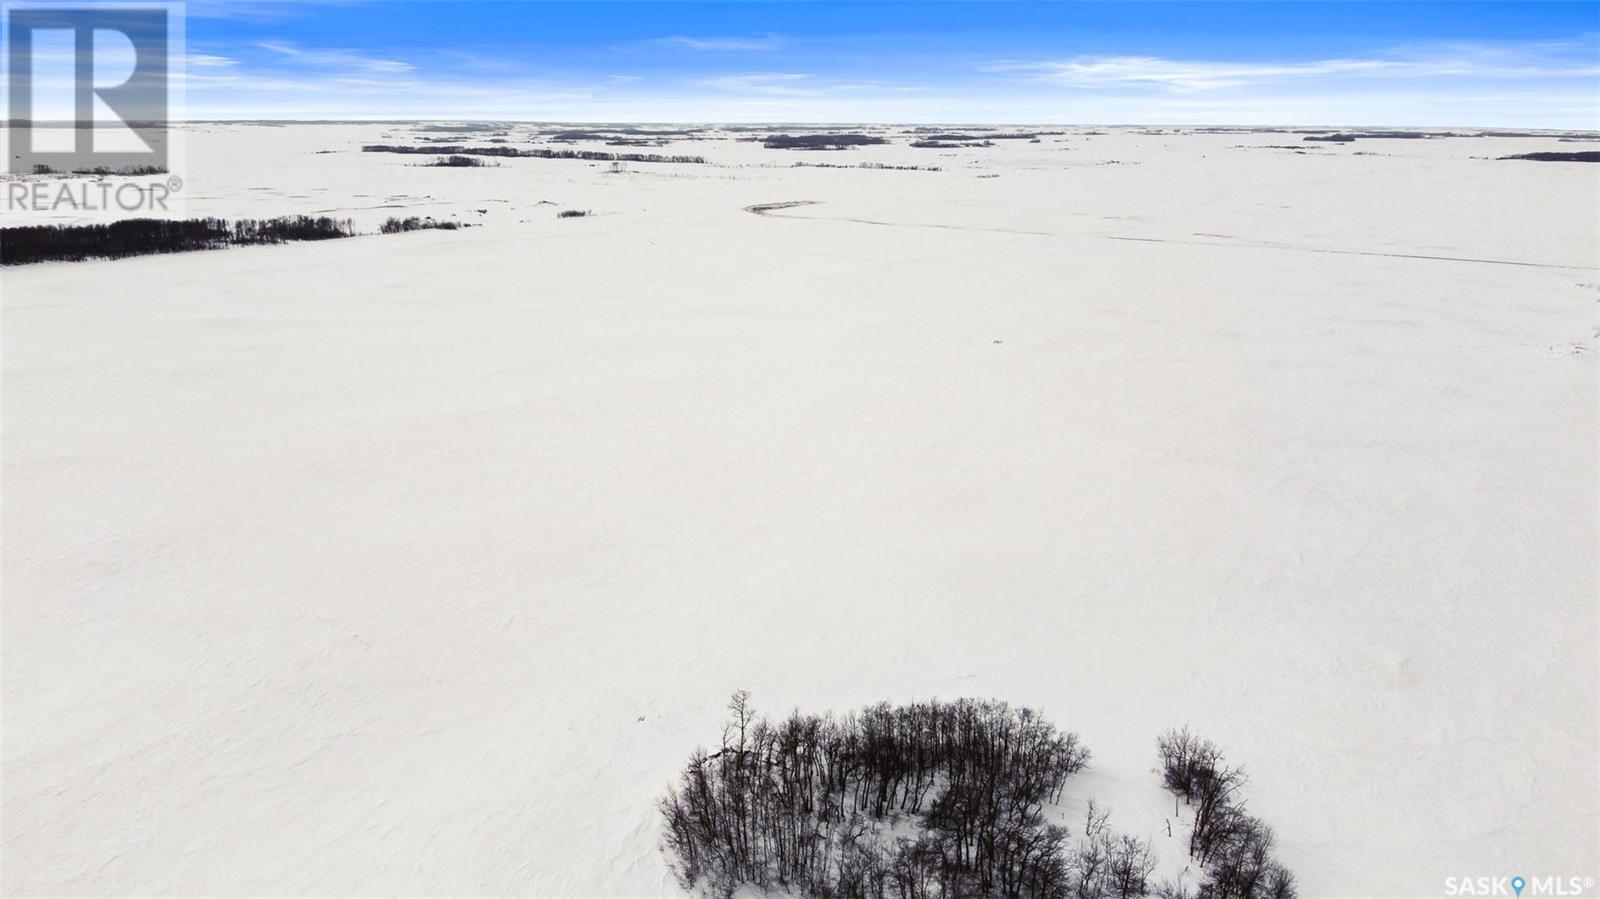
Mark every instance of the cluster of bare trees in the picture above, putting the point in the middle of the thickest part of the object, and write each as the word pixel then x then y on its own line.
pixel 138 237
pixel 394 225
pixel 285 228
pixel 930 800
pixel 1109 864
pixel 458 162
pixel 1233 847
pixel 534 153
pixel 598 156
pixel 881 166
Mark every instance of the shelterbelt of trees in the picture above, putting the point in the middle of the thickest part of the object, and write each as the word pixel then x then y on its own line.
pixel 141 237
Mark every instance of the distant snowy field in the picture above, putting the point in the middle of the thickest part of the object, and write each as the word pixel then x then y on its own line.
pixel 419 564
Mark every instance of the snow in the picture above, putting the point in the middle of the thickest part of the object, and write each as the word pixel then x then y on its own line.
pixel 418 564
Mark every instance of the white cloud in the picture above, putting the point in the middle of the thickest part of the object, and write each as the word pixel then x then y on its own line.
pixel 791 84
pixel 338 59
pixel 1187 75
pixel 725 44
pixel 1178 75
pixel 797 84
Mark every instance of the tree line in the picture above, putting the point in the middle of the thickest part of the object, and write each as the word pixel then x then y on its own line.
pixel 458 162
pixel 959 136
pixel 865 165
pixel 819 141
pixel 948 145
pixel 141 237
pixel 138 237
pixel 1553 156
pixel 129 170
pixel 533 153
pixel 395 225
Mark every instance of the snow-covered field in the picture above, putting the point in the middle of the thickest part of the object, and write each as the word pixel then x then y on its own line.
pixel 418 564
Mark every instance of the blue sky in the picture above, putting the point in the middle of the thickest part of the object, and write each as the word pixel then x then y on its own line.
pixel 1526 64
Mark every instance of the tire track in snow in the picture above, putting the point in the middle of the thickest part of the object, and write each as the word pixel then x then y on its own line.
pixel 770 210
pixel 1257 245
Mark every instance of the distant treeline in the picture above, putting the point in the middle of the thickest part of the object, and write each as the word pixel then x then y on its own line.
pixel 128 170
pixel 598 132
pixel 1548 156
pixel 537 153
pixel 458 162
pixel 1386 135
pixel 416 223
pixel 958 136
pixel 948 145
pixel 819 141
pixel 944 130
pixel 465 127
pixel 139 237
pixel 865 165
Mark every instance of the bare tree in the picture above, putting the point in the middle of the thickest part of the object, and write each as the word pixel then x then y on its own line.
pixel 1233 847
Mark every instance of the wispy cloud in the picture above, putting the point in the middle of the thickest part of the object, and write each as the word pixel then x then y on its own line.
pixel 257 10
pixel 725 44
pixel 336 59
pixel 1188 75
pixel 790 84
pixel 209 61
pixel 1173 74
pixel 797 84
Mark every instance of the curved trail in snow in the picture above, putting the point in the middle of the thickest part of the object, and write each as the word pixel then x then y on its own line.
pixel 773 210
pixel 770 210
pixel 1261 245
